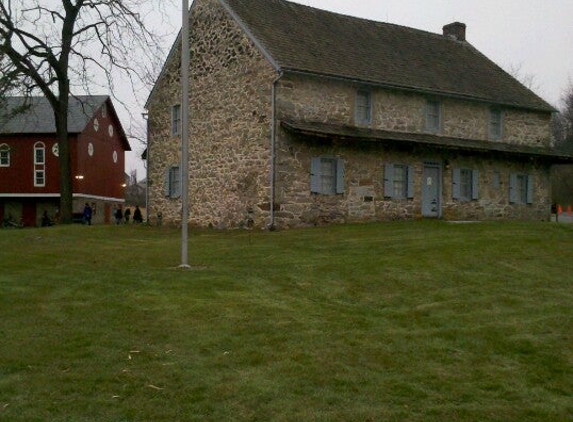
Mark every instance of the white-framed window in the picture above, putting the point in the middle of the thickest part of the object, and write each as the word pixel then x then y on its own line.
pixel 398 181
pixel 39 153
pixel 520 188
pixel 39 178
pixel 39 164
pixel 173 182
pixel 495 123
pixel 465 184
pixel 363 107
pixel 4 155
pixel 433 116
pixel 176 119
pixel 327 175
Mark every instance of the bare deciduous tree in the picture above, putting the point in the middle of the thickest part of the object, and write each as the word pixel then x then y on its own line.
pixel 59 47
pixel 562 175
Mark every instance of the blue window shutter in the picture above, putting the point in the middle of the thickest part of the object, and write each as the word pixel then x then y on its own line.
pixel 339 176
pixel 530 189
pixel 315 175
pixel 388 180
pixel 456 179
pixel 475 184
pixel 167 187
pixel 410 177
pixel 513 188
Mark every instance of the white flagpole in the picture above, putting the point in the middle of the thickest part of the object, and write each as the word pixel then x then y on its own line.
pixel 185 92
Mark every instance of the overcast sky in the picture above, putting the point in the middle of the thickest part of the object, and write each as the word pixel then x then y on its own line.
pixel 533 36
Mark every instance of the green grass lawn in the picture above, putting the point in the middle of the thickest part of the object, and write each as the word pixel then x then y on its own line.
pixel 409 321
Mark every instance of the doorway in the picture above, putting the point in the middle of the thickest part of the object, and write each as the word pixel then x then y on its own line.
pixel 432 190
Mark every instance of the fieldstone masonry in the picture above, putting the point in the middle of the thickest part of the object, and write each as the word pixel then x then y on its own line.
pixel 230 142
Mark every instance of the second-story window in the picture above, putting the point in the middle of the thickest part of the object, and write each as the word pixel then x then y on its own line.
pixel 363 107
pixel 176 119
pixel 495 123
pixel 433 116
pixel 4 155
pixel 39 164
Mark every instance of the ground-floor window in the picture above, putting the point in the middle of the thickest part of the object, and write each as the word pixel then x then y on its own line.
pixel 465 183
pixel 327 175
pixel 398 181
pixel 520 188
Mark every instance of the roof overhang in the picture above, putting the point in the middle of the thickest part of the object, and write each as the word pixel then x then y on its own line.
pixel 403 139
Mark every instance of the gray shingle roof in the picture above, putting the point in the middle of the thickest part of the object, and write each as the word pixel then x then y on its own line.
pixel 39 117
pixel 298 37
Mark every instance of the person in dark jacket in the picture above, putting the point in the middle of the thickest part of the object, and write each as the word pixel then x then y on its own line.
pixel 118 216
pixel 137 217
pixel 88 214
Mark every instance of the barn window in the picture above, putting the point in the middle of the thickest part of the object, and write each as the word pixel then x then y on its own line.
pixel 39 164
pixel 327 175
pixel 4 155
pixel 398 181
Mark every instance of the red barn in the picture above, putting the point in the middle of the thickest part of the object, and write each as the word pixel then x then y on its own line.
pixel 29 167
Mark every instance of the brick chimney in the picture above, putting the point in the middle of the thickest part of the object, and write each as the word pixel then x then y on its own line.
pixel 456 30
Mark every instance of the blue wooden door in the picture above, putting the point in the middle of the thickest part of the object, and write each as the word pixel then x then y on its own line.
pixel 431 190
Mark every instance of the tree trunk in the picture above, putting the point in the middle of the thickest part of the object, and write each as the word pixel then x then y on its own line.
pixel 66 185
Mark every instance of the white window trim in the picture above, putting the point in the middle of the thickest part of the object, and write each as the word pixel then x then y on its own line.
pixel 5 149
pixel 39 167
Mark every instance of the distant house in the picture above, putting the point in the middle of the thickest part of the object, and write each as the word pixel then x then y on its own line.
pixel 302 117
pixel 29 167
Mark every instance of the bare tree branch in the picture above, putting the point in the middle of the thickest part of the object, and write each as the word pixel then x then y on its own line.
pixel 58 47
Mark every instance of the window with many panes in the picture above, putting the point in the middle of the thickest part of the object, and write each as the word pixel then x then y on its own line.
pixel 39 164
pixel 363 107
pixel 495 123
pixel 4 155
pixel 433 116
pixel 398 181
pixel 465 184
pixel 176 119
pixel 327 175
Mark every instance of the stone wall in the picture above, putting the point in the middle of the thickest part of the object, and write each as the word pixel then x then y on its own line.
pixel 229 126
pixel 332 101
pixel 230 138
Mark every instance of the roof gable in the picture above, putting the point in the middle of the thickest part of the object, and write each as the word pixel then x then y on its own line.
pixel 302 38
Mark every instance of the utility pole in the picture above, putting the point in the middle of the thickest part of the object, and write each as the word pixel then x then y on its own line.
pixel 185 92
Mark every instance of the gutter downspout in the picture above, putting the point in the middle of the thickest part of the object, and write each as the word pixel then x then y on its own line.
pixel 147 171
pixel 273 149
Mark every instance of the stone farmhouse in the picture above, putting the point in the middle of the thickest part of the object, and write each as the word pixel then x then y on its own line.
pixel 29 166
pixel 301 117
